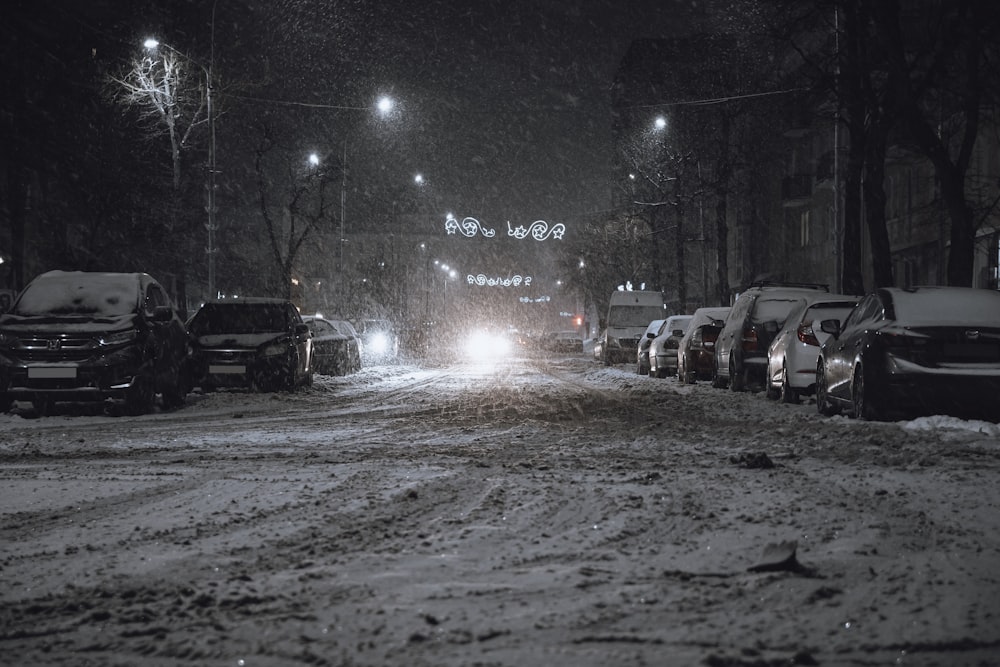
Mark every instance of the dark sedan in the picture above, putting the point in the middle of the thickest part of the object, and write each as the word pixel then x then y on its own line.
pixel 252 343
pixel 335 344
pixel 926 350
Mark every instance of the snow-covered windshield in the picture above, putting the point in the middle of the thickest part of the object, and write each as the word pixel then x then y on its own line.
pixel 633 316
pixel 947 306
pixel 771 309
pixel 239 318
pixel 80 293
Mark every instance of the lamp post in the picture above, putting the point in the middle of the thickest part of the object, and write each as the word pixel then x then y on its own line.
pixel 384 106
pixel 152 44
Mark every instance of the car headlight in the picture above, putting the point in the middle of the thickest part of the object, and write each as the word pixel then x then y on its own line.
pixel 379 343
pixel 118 338
pixel 274 350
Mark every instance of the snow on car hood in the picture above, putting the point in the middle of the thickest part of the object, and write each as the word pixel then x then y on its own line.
pixel 60 324
pixel 250 340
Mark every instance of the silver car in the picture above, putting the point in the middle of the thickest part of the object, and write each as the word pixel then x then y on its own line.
pixel 791 358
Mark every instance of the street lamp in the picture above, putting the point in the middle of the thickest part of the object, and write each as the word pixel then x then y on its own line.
pixel 384 105
pixel 152 44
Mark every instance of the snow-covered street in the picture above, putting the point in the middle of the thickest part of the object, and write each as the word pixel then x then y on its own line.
pixel 534 512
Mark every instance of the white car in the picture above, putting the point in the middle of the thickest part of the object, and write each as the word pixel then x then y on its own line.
pixel 663 349
pixel 642 351
pixel 792 355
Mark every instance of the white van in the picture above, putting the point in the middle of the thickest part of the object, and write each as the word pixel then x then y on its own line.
pixel 629 313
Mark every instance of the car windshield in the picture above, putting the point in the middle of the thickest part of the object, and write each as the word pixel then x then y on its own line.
pixel 239 318
pixel 633 316
pixel 90 294
pixel 773 309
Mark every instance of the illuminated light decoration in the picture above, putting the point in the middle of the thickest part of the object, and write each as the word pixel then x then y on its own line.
pixel 469 227
pixel 539 230
pixel 541 299
pixel 485 281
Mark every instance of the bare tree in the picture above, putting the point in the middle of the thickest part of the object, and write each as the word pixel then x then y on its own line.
pixel 295 198
pixel 169 97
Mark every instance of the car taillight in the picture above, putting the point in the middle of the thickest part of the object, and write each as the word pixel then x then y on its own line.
pixel 749 340
pixel 807 335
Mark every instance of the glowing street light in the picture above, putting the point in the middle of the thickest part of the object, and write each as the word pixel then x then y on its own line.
pixel 660 123
pixel 152 44
pixel 313 160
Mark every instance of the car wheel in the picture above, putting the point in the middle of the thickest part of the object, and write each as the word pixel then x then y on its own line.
pixel 718 381
pixel 288 382
pixel 788 393
pixel 140 397
pixel 736 379
pixel 866 405
pixel 175 394
pixel 823 405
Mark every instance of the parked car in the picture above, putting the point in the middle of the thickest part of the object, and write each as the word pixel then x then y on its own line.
pixel 380 342
pixel 629 313
pixel 642 351
pixel 83 336
pixel 753 321
pixel 565 341
pixel 258 344
pixel 696 351
pixel 663 349
pixel 791 358
pixel 335 347
pixel 924 350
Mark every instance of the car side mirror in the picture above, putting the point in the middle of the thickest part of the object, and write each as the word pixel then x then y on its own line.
pixel 831 327
pixel 302 329
pixel 163 314
pixel 679 333
pixel 651 335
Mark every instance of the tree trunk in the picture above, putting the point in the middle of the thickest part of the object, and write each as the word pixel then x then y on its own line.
pixel 874 196
pixel 724 175
pixel 681 268
pixel 850 93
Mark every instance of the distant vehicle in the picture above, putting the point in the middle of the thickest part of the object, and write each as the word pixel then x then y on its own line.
pixel 335 346
pixel 380 341
pixel 258 344
pixel 663 349
pixel 564 341
pixel 486 344
pixel 629 313
pixel 642 352
pixel 755 318
pixel 791 358
pixel 81 336
pixel 696 351
pixel 926 350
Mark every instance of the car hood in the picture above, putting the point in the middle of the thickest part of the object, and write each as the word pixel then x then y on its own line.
pixel 247 341
pixel 20 325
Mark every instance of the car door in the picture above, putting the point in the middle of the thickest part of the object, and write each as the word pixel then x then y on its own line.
pixel 842 352
pixel 169 341
pixel 302 338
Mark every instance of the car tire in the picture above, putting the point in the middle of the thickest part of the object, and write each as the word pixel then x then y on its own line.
pixel 718 381
pixel 866 406
pixel 737 382
pixel 141 396
pixel 788 394
pixel 823 404
pixel 175 393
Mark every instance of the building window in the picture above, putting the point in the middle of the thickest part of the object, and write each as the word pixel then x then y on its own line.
pixel 804 228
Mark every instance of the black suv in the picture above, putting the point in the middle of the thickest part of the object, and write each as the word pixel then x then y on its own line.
pixel 82 336
pixel 753 321
pixel 258 344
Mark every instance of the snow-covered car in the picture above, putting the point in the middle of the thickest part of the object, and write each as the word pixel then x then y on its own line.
pixel 642 351
pixel 335 346
pixel 791 358
pixel 379 340
pixel 696 351
pixel 663 348
pixel 925 350
pixel 753 321
pixel 87 336
pixel 259 344
pixel 564 341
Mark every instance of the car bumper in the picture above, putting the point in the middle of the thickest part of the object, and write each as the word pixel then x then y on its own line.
pixel 106 376
pixel 966 390
pixel 238 373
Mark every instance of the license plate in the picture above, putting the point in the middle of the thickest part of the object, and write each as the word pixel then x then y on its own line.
pixel 227 370
pixel 52 372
